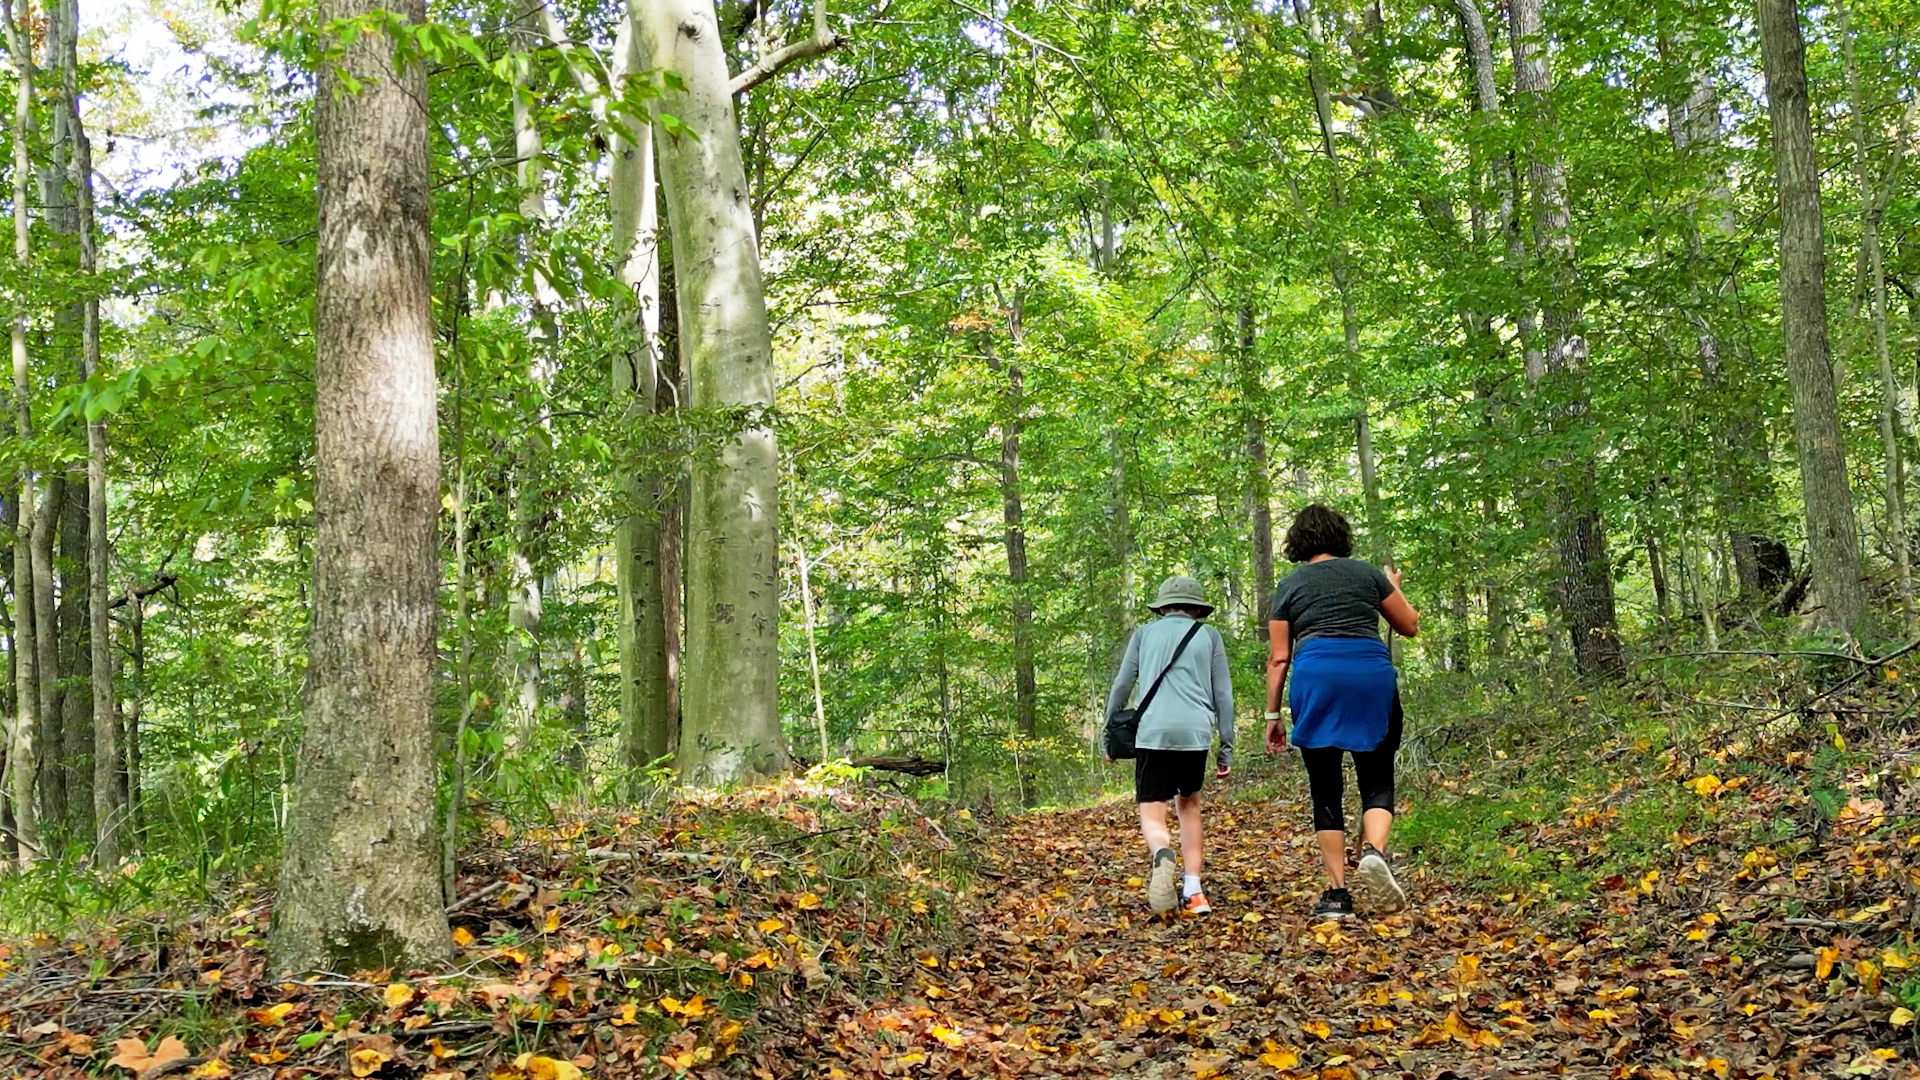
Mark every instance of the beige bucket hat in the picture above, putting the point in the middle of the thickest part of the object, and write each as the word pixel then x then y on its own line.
pixel 1179 589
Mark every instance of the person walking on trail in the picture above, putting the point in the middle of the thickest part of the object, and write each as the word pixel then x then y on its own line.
pixel 1345 699
pixel 1194 701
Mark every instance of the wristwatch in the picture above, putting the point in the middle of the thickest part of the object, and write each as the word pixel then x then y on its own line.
pixel 1273 715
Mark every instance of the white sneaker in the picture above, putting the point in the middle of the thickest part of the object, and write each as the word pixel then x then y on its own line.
pixel 1376 874
pixel 1163 884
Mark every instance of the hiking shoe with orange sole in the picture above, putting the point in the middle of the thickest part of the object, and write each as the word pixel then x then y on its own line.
pixel 1196 905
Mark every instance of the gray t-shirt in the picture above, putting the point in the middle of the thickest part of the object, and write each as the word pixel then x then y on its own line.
pixel 1333 598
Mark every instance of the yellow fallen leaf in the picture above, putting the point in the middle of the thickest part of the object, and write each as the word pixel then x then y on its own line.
pixel 553 920
pixel 271 1057
pixel 1318 1029
pixel 1827 957
pixel 948 1037
pixel 213 1070
pixel 462 936
pixel 366 1061
pixel 271 1016
pixel 1282 1058
pixel 1901 1017
pixel 768 926
pixel 1705 786
pixel 806 901
pixel 693 1008
pixel 546 1068
pixel 397 995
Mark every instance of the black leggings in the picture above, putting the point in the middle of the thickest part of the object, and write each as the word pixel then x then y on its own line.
pixel 1372 770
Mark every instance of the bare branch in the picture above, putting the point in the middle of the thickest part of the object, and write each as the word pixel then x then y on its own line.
pixel 823 41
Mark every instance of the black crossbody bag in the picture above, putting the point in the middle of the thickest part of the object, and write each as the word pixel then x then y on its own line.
pixel 1124 725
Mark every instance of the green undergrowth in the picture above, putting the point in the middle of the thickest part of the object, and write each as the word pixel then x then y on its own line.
pixel 657 936
pixel 1559 792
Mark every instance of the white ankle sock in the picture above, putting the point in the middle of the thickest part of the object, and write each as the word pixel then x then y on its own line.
pixel 1189 884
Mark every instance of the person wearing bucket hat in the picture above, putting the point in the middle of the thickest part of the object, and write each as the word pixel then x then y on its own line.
pixel 1193 703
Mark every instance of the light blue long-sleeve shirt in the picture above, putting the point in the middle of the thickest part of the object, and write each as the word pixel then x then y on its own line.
pixel 1196 700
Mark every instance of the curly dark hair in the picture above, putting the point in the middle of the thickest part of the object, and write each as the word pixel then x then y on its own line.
pixel 1318 530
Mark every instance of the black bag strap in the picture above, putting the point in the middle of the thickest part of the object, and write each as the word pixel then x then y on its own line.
pixel 1141 709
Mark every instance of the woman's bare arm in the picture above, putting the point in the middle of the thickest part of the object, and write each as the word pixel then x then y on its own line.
pixel 1402 616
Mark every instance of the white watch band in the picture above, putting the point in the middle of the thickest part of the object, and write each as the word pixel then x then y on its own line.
pixel 1273 716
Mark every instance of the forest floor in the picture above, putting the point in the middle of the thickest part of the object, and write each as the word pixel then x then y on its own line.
pixel 1744 907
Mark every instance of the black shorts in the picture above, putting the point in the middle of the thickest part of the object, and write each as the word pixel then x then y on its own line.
pixel 1159 775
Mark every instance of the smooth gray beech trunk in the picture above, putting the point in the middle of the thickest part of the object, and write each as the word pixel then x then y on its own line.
pixel 646 730
pixel 730 714
pixel 22 756
pixel 1585 586
pixel 360 885
pixel 1833 541
pixel 46 647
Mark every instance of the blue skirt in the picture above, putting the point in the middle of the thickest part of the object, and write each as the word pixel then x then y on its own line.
pixel 1342 693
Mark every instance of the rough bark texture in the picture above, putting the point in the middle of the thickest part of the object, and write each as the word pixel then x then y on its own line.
pixel 360 887
pixel 110 815
pixel 730 717
pixel 646 731
pixel 76 703
pixel 1833 543
pixel 1585 586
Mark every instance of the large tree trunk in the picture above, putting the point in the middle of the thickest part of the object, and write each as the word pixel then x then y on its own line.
pixel 730 722
pixel 46 643
pixel 110 814
pixel 1585 587
pixel 359 886
pixel 22 756
pixel 75 729
pixel 646 731
pixel 1259 495
pixel 1833 543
